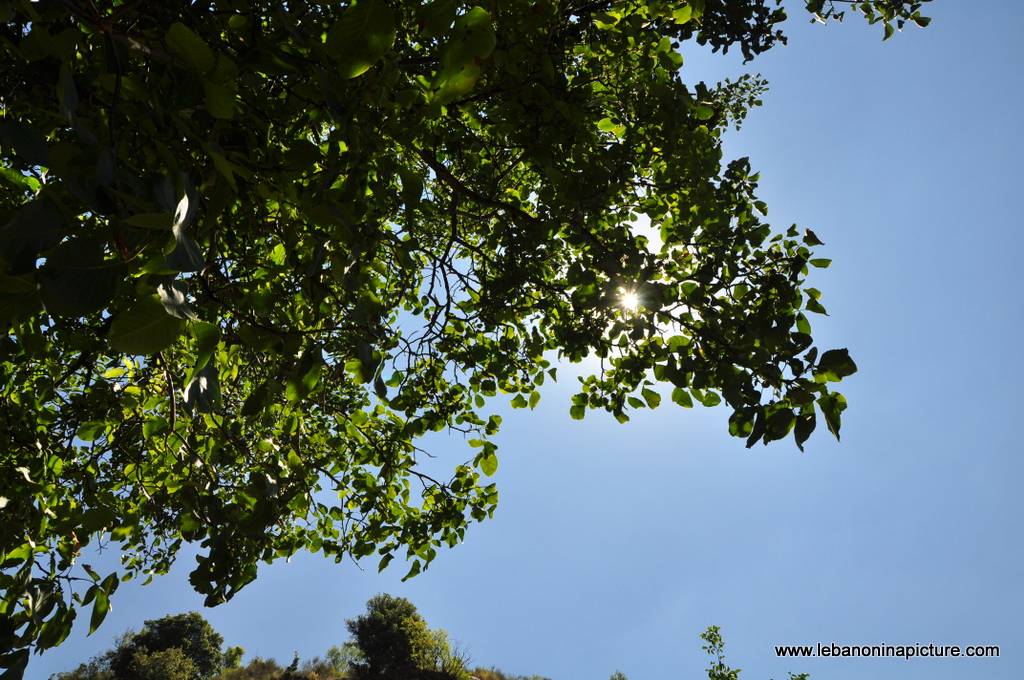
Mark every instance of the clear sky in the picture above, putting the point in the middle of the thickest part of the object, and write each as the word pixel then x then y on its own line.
pixel 614 545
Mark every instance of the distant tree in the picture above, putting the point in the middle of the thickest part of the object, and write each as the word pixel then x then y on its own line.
pixel 257 669
pixel 233 657
pixel 714 645
pixel 136 663
pixel 164 664
pixel 176 647
pixel 495 674
pixel 343 657
pixel 190 633
pixel 97 668
pixel 618 675
pixel 318 669
pixel 396 643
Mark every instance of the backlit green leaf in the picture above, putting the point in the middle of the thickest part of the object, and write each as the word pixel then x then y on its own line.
pixel 489 463
pixel 100 608
pixel 363 35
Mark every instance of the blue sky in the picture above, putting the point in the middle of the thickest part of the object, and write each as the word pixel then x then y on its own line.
pixel 615 545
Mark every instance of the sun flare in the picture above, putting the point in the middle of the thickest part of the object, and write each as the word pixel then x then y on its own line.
pixel 629 300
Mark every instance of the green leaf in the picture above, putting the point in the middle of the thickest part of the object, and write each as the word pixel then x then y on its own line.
pixel 76 280
pixel 832 406
pixel 435 18
pixel 710 399
pixel 306 375
pixel 652 398
pixel 368 363
pixel 110 583
pixel 779 424
pixel 363 35
pixel 816 307
pixel 256 401
pixel 154 426
pixel 703 112
pixel 802 324
pixel 835 365
pixel 202 393
pixel 683 14
pixel 100 607
pixel 805 423
pixel 577 411
pixel 186 44
pixel 811 239
pixel 412 188
pixel 519 401
pixel 92 430
pixel 682 397
pixel 758 429
pixel 18 555
pixel 413 570
pixel 145 328
pixel 26 141
pixel 608 125
pixel 15 662
pixel 56 629
pixel 207 335
pixel 472 41
pixel 219 98
pixel 489 463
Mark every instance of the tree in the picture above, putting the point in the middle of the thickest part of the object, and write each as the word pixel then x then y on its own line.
pixel 495 674
pixel 343 657
pixel 257 669
pixel 175 647
pixel 233 657
pixel 714 645
pixel 165 664
pixel 395 642
pixel 189 633
pixel 251 251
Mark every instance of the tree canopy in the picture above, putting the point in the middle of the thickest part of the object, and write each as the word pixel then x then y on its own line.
pixel 252 252
pixel 395 642
pixel 176 647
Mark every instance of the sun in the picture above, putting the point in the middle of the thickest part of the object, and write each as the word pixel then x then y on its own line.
pixel 629 300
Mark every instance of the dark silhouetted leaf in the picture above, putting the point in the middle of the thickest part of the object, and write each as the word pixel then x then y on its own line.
pixel 145 328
